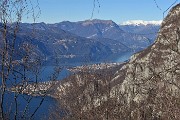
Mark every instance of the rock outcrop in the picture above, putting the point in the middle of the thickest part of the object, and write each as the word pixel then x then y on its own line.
pixel 151 79
pixel 156 66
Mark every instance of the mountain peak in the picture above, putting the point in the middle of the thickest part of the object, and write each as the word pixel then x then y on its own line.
pixel 141 22
pixel 98 21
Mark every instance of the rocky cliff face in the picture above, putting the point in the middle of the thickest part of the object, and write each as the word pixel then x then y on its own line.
pixel 158 67
pixel 152 76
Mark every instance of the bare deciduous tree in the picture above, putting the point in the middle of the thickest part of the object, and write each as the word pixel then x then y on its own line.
pixel 18 60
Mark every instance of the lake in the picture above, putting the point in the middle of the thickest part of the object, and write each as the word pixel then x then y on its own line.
pixel 45 74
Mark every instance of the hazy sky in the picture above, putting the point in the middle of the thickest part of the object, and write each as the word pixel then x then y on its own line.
pixel 53 11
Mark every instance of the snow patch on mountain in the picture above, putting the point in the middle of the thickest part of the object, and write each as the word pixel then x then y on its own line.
pixel 141 22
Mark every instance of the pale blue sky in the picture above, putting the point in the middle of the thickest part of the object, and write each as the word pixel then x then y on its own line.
pixel 53 11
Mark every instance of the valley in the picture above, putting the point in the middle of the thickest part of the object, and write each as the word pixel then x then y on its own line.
pixel 92 69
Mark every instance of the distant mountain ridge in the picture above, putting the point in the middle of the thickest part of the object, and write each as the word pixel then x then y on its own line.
pixel 149 29
pixel 99 29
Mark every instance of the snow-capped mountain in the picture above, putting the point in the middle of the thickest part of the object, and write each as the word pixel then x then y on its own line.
pixel 149 29
pixel 141 22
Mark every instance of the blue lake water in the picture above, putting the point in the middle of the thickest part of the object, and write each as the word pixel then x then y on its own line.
pixel 22 102
pixel 47 71
pixel 124 57
pixel 45 75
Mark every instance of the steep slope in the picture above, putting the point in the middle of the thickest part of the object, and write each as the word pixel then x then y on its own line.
pixel 160 62
pixel 152 76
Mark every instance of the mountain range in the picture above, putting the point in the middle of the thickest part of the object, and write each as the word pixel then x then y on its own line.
pixel 84 41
